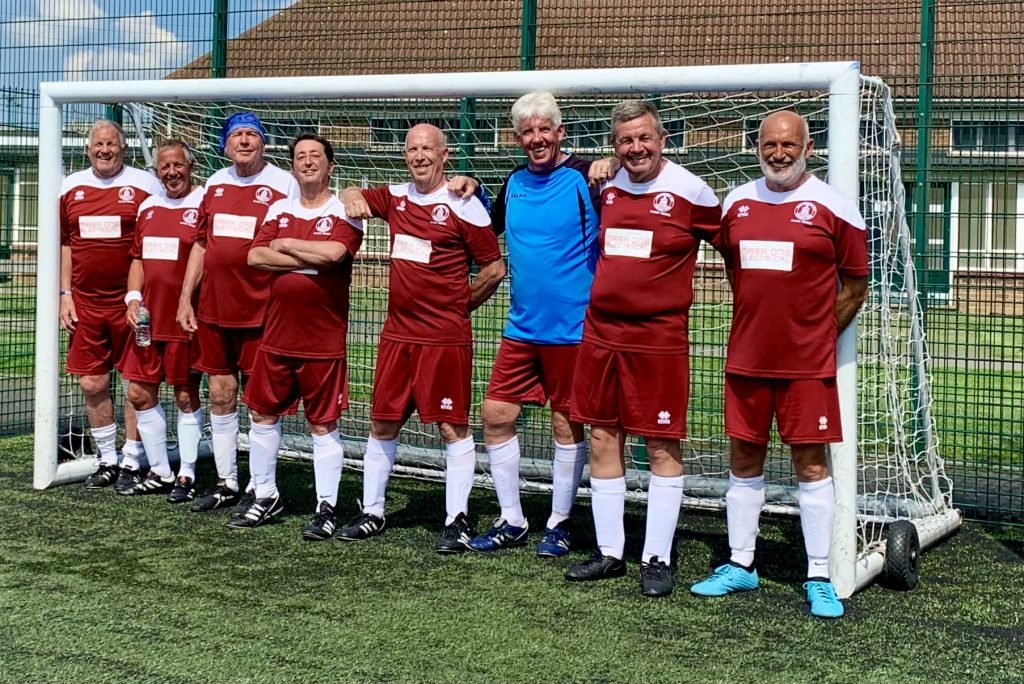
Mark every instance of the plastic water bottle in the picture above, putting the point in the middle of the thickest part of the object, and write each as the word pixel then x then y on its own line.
pixel 142 329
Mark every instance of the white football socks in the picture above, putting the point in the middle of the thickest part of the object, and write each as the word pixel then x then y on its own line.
pixel 153 431
pixel 190 431
pixel 106 444
pixel 225 447
pixel 743 504
pixel 664 497
pixel 328 455
pixel 458 480
pixel 378 462
pixel 608 503
pixel 567 470
pixel 133 455
pixel 264 441
pixel 817 510
pixel 504 460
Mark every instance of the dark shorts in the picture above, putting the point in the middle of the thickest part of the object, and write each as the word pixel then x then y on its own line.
pixel 278 383
pixel 161 361
pixel 227 351
pixel 526 373
pixel 432 380
pixel 806 410
pixel 643 394
pixel 100 341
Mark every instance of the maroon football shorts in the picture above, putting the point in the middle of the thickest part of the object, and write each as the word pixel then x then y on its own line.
pixel 100 341
pixel 161 361
pixel 526 373
pixel 643 394
pixel 278 383
pixel 432 380
pixel 227 351
pixel 805 410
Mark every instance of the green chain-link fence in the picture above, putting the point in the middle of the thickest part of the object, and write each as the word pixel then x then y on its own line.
pixel 955 68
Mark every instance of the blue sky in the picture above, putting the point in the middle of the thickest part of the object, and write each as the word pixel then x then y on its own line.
pixel 107 39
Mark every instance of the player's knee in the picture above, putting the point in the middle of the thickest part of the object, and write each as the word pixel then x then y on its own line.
pixel 452 433
pixel 746 459
pixel 809 462
pixel 384 430
pixel 94 385
pixel 499 419
pixel 141 397
pixel 665 457
pixel 186 398
pixel 223 392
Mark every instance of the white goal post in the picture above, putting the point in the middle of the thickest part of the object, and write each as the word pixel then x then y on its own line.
pixel 859 544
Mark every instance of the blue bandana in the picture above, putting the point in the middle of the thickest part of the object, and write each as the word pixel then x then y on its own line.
pixel 241 120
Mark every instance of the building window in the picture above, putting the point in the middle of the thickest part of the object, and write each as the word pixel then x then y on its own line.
pixel 998 137
pixel 989 226
pixel 587 134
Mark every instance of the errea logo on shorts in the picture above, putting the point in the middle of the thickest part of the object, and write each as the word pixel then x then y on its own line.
pixel 126 194
pixel 823 423
pixel 664 417
pixel 447 404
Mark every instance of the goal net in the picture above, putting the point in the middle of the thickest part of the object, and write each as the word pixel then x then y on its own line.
pixel 887 469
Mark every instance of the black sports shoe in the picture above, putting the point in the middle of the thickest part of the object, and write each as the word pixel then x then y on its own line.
pixel 598 567
pixel 218 497
pixel 455 536
pixel 363 526
pixel 656 578
pixel 321 527
pixel 261 511
pixel 184 490
pixel 104 477
pixel 126 481
pixel 244 504
pixel 153 484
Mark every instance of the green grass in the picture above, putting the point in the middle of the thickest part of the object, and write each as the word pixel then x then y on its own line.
pixel 98 588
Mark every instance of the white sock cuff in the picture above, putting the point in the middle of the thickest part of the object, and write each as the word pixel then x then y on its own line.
pixel 227 421
pixel 570 453
pixel 185 418
pixel 813 486
pixel 261 429
pixel 150 414
pixel 662 481
pixel 612 486
pixel 133 447
pixel 105 431
pixel 756 482
pixel 331 437
pixel 460 447
pixel 504 452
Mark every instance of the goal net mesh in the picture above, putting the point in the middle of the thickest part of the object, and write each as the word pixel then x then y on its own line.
pixel 900 472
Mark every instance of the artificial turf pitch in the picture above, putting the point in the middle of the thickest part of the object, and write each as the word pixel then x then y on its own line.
pixel 95 587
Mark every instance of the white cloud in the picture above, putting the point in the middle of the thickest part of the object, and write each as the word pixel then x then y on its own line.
pixel 141 49
pixel 55 22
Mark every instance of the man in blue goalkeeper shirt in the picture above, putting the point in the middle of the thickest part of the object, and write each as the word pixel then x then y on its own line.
pixel 547 210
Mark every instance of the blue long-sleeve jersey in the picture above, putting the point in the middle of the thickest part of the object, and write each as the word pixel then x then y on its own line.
pixel 550 223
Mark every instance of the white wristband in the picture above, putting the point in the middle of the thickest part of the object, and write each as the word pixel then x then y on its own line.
pixel 132 296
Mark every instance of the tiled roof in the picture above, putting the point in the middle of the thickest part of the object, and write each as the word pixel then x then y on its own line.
pixel 976 40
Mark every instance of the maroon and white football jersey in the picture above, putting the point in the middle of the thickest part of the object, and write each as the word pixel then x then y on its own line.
pixel 97 220
pixel 650 234
pixel 433 238
pixel 164 235
pixel 234 295
pixel 307 315
pixel 787 251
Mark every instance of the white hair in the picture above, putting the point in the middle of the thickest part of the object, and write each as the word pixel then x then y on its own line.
pixel 100 124
pixel 538 104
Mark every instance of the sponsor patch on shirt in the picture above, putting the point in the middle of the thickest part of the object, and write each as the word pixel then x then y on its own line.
pixel 411 248
pixel 99 227
pixel 162 248
pixel 232 226
pixel 627 242
pixel 766 255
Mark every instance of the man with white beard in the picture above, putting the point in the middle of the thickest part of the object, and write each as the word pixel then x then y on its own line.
pixel 796 253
